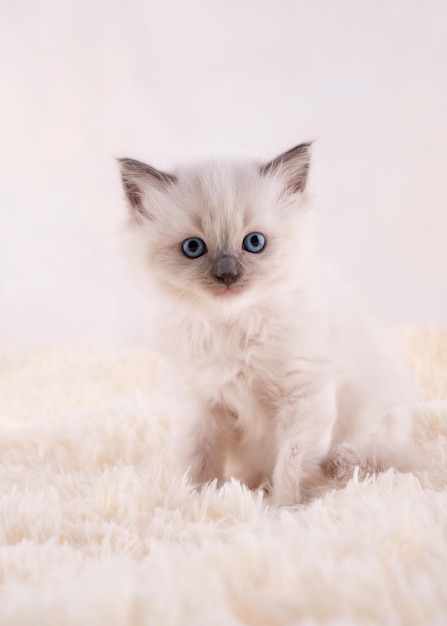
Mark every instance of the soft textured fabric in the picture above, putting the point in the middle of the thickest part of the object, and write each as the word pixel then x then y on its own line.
pixel 95 527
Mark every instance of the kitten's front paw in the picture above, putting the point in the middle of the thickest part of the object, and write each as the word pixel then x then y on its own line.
pixel 286 495
pixel 200 478
pixel 287 503
pixel 340 463
pixel 286 488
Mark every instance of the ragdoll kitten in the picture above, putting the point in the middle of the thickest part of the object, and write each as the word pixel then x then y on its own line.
pixel 289 378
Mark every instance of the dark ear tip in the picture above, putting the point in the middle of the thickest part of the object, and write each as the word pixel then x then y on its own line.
pixel 302 147
pixel 294 165
pixel 305 147
pixel 131 169
pixel 126 163
pixel 123 164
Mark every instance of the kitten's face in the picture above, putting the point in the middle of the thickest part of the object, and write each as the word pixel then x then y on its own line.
pixel 220 235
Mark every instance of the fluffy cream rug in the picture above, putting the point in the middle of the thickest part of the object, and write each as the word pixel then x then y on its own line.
pixel 96 530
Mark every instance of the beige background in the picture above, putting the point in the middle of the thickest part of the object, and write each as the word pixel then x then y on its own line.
pixel 83 82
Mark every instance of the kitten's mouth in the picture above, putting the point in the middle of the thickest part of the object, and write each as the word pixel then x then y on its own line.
pixel 227 292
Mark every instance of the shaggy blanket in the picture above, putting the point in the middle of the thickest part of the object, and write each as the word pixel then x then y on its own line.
pixel 96 529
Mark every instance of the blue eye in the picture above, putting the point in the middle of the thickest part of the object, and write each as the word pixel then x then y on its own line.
pixel 254 242
pixel 193 247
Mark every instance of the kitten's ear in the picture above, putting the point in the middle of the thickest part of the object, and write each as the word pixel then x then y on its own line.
pixel 293 165
pixel 139 181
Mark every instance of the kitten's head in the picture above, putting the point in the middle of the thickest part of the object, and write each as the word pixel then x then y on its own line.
pixel 221 235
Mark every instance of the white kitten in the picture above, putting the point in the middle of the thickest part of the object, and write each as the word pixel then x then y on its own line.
pixel 289 378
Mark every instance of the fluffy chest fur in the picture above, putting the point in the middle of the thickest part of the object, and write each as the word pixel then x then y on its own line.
pixel 251 365
pixel 231 364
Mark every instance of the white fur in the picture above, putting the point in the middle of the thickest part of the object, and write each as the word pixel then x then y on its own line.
pixel 286 378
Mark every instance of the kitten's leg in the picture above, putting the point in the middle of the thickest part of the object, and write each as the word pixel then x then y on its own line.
pixel 340 462
pixel 201 445
pixel 251 462
pixel 304 438
pixel 387 443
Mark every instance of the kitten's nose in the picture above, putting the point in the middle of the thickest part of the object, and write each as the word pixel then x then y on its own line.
pixel 226 269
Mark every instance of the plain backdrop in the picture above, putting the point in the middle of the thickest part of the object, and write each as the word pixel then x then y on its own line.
pixel 83 82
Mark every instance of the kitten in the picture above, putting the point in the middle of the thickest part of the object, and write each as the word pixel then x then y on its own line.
pixel 289 378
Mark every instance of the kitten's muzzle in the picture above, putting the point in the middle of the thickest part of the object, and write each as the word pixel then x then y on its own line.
pixel 226 269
